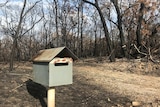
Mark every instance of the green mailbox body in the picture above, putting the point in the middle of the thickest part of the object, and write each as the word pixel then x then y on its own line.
pixel 54 67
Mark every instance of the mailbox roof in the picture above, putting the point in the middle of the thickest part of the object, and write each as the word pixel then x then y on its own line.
pixel 47 55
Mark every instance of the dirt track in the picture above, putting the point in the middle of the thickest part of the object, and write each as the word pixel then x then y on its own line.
pixel 95 85
pixel 141 88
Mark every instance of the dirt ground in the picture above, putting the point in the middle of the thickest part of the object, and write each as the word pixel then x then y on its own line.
pixel 95 84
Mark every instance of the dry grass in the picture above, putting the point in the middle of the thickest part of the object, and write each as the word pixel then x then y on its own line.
pixel 118 84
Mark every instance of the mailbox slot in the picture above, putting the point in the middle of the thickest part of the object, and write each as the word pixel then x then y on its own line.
pixel 61 64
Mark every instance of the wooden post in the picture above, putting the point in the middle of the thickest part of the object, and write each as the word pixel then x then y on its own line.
pixel 51 97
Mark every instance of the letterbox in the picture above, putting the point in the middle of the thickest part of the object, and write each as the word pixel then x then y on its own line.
pixel 53 67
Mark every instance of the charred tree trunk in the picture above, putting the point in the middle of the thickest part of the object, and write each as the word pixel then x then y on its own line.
pixel 78 27
pixel 139 24
pixel 12 54
pixel 121 34
pixel 108 40
pixel 81 30
pixel 56 20
pixel 95 41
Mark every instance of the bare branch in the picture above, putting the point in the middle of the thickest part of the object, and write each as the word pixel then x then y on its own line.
pixel 89 2
pixel 150 56
pixel 32 7
pixel 128 9
pixel 20 20
pixel 139 50
pixel 149 53
pixel 113 22
pixel 32 26
pixel 3 4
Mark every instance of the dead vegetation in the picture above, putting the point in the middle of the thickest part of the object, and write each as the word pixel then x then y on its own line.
pixel 118 84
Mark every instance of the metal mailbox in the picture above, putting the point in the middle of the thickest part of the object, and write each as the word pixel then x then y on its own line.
pixel 53 67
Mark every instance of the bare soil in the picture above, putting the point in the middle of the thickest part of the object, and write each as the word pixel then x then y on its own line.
pixel 104 84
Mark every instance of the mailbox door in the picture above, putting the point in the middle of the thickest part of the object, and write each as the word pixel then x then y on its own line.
pixel 60 74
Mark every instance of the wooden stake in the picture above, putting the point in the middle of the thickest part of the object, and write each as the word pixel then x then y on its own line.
pixel 51 97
